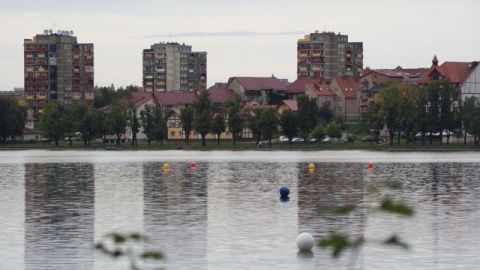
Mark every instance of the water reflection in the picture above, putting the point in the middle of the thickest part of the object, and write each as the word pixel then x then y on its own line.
pixel 226 213
pixel 59 216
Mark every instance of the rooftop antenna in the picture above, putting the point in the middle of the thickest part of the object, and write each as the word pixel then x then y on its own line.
pixel 45 32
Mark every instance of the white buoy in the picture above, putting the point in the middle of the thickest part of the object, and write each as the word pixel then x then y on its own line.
pixel 305 241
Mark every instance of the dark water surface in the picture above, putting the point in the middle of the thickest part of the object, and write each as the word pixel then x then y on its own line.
pixel 226 213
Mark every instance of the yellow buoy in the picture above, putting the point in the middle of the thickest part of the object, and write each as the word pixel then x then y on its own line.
pixel 311 166
pixel 166 166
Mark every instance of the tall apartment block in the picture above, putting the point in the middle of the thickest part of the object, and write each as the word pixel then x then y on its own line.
pixel 327 55
pixel 172 66
pixel 56 67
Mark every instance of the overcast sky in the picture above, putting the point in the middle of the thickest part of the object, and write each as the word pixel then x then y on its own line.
pixel 242 38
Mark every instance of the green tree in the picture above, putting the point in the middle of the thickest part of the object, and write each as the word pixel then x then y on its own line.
pixel 318 132
pixel 288 124
pixel 53 121
pixel 203 115
pixel 333 130
pixel 149 119
pixel 374 118
pixel 307 115
pixel 133 123
pixel 218 126
pixel 269 121
pixel 325 114
pixel 471 118
pixel 88 125
pixel 447 110
pixel 161 128
pixel 253 122
pixel 13 117
pixel 118 120
pixel 186 117
pixel 232 108
pixel 408 112
pixel 391 102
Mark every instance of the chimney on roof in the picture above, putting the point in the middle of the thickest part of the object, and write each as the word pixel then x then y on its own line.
pixel 273 76
pixel 435 61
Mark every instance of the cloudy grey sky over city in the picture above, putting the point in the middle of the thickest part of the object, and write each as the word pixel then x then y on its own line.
pixel 242 38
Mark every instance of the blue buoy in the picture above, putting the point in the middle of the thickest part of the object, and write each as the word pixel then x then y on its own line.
pixel 284 191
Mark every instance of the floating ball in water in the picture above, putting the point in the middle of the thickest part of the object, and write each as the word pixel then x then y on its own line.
pixel 370 165
pixel 284 191
pixel 166 166
pixel 311 166
pixel 193 164
pixel 305 241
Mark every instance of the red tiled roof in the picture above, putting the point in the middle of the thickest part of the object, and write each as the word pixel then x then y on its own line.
pixel 218 85
pixel 455 72
pixel 291 103
pixel 321 89
pixel 218 95
pixel 298 86
pixel 140 98
pixel 258 83
pixel 175 98
pixel 394 73
pixel 348 85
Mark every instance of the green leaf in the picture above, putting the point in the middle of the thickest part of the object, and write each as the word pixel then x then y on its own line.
pixel 137 236
pixel 397 208
pixel 394 240
pixel 118 238
pixel 344 210
pixel 337 242
pixel 155 255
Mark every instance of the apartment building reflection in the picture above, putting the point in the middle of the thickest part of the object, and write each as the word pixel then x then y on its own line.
pixel 59 216
pixel 175 212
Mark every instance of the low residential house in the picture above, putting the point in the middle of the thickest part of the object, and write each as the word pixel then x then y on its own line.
pixel 263 90
pixel 373 80
pixel 29 131
pixel 464 76
pixel 298 87
pixel 287 105
pixel 346 88
pixel 176 133
pixel 323 95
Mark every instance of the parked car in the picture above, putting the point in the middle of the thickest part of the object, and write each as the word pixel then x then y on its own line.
pixel 297 140
pixel 328 140
pixel 73 139
pixel 371 138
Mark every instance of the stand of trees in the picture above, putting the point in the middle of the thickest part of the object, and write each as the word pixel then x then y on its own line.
pixel 432 112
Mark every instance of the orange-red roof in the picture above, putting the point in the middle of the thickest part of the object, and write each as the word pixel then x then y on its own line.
pixel 321 89
pixel 258 83
pixel 290 103
pixel 455 72
pixel 349 85
pixel 298 86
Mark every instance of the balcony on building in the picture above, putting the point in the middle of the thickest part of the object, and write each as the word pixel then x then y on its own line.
pixel 303 76
pixel 76 56
pixel 42 48
pixel 76 97
pixel 41 96
pixel 149 77
pixel 30 48
pixel 29 41
pixel 76 70
pixel 75 63
pixel 317 47
pixel 303 54
pixel 30 96
pixel 89 57
pixel 316 61
pixel 41 103
pixel 41 75
pixel 41 55
pixel 316 54
pixel 89 97
pixel 303 69
pixel 29 63
pixel 76 49
pixel 316 68
pixel 161 70
pixel 29 55
pixel 29 89
pixel 76 89
pixel 41 82
pixel 41 69
pixel 348 62
pixel 29 76
pixel 42 89
pixel 76 76
pixel 41 62
pixel 348 49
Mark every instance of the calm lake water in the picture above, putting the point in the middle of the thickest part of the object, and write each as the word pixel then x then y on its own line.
pixel 226 212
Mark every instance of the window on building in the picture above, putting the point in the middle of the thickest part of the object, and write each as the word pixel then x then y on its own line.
pixel 172 133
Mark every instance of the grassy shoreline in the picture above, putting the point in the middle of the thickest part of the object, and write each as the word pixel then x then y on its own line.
pixel 243 146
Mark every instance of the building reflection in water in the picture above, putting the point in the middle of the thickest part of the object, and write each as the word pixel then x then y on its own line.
pixel 175 211
pixel 119 203
pixel 59 216
pixel 246 217
pixel 330 185
pixel 12 211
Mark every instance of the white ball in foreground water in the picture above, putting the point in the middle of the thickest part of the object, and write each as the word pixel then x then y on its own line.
pixel 305 241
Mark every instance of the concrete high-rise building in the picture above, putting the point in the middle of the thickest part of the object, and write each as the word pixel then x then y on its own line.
pixel 328 55
pixel 57 67
pixel 172 66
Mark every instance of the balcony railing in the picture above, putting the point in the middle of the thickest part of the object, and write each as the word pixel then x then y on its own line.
pixel 316 54
pixel 76 56
pixel 303 54
pixel 29 63
pixel 29 56
pixel 302 69
pixel 41 55
pixel 30 96
pixel 316 68
pixel 41 62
